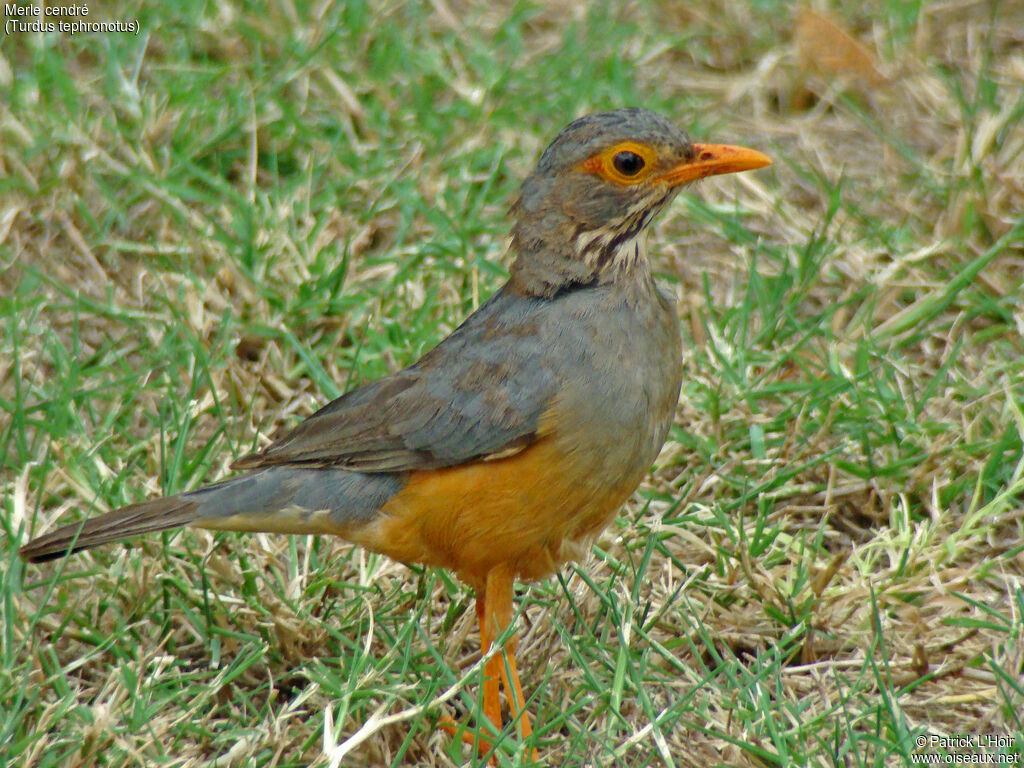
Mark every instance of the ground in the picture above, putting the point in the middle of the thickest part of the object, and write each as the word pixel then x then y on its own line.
pixel 211 227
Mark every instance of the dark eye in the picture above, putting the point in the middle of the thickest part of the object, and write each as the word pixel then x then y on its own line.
pixel 628 163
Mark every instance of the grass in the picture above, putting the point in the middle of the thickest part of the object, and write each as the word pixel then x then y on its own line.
pixel 209 229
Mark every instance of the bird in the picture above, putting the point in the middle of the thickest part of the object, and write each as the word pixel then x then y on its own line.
pixel 505 450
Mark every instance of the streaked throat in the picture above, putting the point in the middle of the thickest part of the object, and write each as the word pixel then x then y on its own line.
pixel 618 249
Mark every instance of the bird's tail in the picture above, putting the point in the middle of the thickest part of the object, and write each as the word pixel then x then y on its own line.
pixel 277 499
pixel 147 517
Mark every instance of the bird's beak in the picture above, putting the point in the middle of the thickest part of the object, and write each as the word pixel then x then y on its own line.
pixel 713 159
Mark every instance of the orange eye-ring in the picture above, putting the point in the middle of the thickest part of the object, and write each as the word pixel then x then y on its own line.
pixel 624 163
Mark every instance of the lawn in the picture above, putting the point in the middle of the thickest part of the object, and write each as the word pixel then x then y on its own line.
pixel 211 228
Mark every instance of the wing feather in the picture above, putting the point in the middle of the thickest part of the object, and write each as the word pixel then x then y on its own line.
pixel 479 394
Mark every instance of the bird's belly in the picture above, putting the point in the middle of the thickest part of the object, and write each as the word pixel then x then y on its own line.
pixel 530 511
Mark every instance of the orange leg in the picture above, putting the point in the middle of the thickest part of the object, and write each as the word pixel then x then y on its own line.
pixel 497 618
pixel 491 703
pixel 494 611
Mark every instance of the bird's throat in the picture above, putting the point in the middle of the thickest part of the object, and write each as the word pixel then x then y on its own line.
pixel 589 259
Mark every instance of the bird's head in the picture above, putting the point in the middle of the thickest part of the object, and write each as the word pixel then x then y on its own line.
pixel 581 215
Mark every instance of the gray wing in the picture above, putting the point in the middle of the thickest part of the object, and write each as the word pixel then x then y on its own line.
pixel 480 393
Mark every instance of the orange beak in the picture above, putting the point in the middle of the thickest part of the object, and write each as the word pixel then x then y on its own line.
pixel 713 159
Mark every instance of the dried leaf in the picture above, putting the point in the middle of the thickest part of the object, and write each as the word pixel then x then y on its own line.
pixel 825 48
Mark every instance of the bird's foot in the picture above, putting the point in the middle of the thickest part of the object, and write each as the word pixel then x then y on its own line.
pixel 483 743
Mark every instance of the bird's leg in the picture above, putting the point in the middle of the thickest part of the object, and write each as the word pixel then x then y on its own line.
pixel 491 703
pixel 491 700
pixel 494 612
pixel 497 616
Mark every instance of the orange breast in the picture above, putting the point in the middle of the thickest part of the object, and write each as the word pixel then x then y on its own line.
pixel 530 511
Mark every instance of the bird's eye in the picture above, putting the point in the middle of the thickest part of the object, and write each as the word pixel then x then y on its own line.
pixel 628 163
pixel 625 163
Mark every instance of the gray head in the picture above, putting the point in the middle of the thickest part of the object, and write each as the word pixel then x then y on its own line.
pixel 581 215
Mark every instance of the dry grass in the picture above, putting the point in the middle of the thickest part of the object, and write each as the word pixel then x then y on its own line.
pixel 205 242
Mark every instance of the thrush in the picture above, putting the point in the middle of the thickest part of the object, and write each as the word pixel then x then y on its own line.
pixel 507 448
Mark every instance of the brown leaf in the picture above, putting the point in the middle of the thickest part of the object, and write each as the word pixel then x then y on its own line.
pixel 825 48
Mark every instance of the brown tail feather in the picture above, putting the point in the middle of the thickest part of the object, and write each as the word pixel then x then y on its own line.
pixel 147 517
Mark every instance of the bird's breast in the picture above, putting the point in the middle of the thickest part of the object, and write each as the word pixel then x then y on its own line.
pixel 614 419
